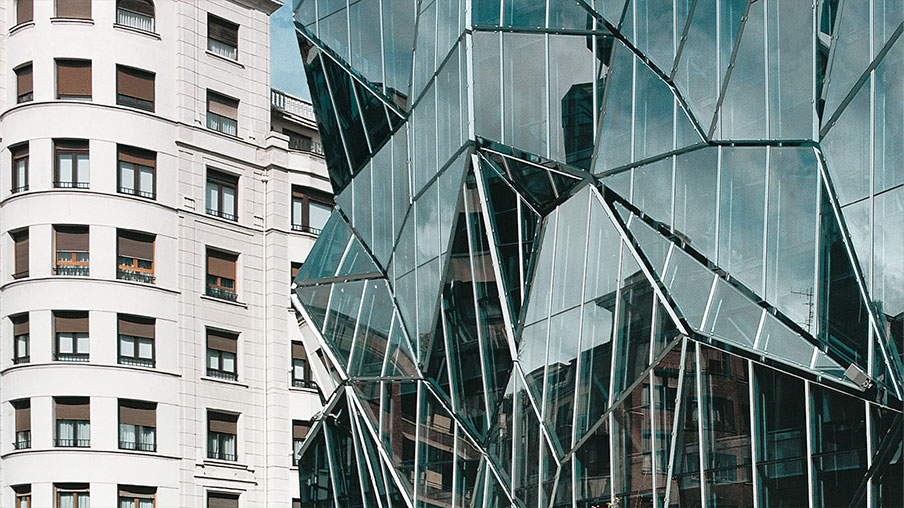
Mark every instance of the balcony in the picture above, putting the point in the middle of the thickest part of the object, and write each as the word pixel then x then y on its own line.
pixel 136 362
pixel 292 105
pixel 21 359
pixel 220 455
pixel 221 293
pixel 303 383
pixel 70 185
pixel 23 440
pixel 305 229
pixel 221 374
pixel 136 192
pixel 21 188
pixel 72 263
pixel 71 357
pixel 134 275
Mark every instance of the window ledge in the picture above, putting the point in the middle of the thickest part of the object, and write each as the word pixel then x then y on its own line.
pixel 21 26
pixel 225 382
pixel 314 391
pixel 227 302
pixel 72 21
pixel 224 59
pixel 58 364
pixel 138 31
pixel 225 463
pixel 95 451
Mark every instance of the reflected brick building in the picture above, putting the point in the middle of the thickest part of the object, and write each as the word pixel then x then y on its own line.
pixel 614 253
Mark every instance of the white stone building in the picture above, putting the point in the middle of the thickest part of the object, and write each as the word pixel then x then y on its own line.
pixel 152 190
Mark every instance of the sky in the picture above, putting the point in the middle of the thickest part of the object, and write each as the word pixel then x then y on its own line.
pixel 286 71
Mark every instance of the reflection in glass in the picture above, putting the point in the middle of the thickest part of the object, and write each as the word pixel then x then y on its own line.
pixel 839 446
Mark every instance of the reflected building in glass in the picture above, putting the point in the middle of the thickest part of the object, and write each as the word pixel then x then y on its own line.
pixel 610 253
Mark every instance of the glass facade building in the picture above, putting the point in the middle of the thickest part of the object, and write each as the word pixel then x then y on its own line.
pixel 607 253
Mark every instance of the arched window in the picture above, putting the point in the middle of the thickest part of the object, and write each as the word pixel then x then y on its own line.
pixel 136 14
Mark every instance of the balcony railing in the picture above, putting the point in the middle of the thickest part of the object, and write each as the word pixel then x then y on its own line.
pixel 220 213
pixel 23 440
pixel 136 362
pixel 305 229
pixel 134 20
pixel 221 293
pixel 221 374
pixel 21 359
pixel 303 383
pixel 137 445
pixel 294 105
pixel 72 443
pixel 73 270
pixel 21 188
pixel 135 192
pixel 133 275
pixel 70 185
pixel 214 454
pixel 71 357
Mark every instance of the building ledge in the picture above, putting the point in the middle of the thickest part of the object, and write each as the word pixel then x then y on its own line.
pixel 72 278
pixel 227 302
pixel 58 365
pixel 137 31
pixel 224 59
pixel 236 384
pixel 93 451
pixel 21 26
pixel 72 21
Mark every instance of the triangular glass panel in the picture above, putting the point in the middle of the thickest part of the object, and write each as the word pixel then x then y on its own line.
pixel 665 378
pixel 572 65
pixel 369 394
pixel 400 357
pixel 315 299
pixel 315 479
pixel 341 318
pixel 654 29
pixel 742 114
pixel 499 441
pixel 436 361
pixel 611 10
pixel 327 252
pixel 398 40
pixel 850 54
pixel 399 421
pixel 526 453
pixel 467 469
pixel 372 333
pixel 338 432
pixel 436 439
pixel 846 149
pixel 356 452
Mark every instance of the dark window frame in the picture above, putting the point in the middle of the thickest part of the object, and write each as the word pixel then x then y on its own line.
pixel 306 196
pixel 215 285
pixel 222 181
pixel 222 34
pixel 21 241
pixel 221 122
pixel 131 101
pixel 122 19
pixel 76 265
pixel 30 95
pixel 19 153
pixel 74 63
pixel 73 148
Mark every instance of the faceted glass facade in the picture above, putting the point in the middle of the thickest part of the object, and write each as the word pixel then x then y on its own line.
pixel 610 253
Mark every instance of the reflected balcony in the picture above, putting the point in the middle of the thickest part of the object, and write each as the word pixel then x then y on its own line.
pixel 23 440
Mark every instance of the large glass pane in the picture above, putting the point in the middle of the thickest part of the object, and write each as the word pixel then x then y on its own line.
pixel 424 49
pixel 846 147
pixel 524 79
pixel 366 44
pixel 791 95
pixel 850 53
pixel 743 112
pixel 889 119
pixel 732 316
pixel 697 75
pixel 560 377
pixel 653 189
pixel 654 22
pixel 635 324
pixel 888 292
pixel 341 318
pixel 686 280
pixel 633 468
pixel 839 446
pixel 696 199
pixel 741 214
pixel 398 39
pixel 653 114
pixel 593 469
pixel 487 85
pixel 436 436
pixel 571 66
pixel 571 245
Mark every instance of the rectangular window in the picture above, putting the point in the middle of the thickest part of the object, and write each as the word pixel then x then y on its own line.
pixel 221 436
pixel 71 330
pixel 299 141
pixel 73 79
pixel 222 113
pixel 222 195
pixel 217 500
pixel 135 256
pixel 23 496
pixel 222 348
pixel 221 269
pixel 301 370
pixel 25 12
pixel 137 171
pixel 294 268
pixel 310 209
pixel 77 9
pixel 71 248
pixel 133 496
pixel 135 88
pixel 299 432
pixel 137 425
pixel 72 165
pixel 222 37
pixel 19 168
pixel 136 341
pixel 20 246
pixel 135 14
pixel 73 422
pixel 71 495
pixel 21 347
pixel 23 424
pixel 24 83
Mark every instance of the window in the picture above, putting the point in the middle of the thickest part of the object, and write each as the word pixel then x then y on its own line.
pixel 301 142
pixel 296 503
pixel 137 171
pixel 78 9
pixel 310 209
pixel 135 14
pixel 221 354
pixel 137 425
pixel 72 495
pixel 222 37
pixel 73 79
pixel 134 87
pixel 23 424
pixel 221 275
pixel 71 329
pixel 71 248
pixel 221 433
pixel 24 83
pixel 20 246
pixel 217 500
pixel 136 341
pixel 25 12
pixel 301 371
pixel 222 113
pixel 135 256
pixel 131 496
pixel 299 432
pixel 72 168
pixel 21 349
pixel 73 421
pixel 20 167
pixel 23 496
pixel 294 268
pixel 222 190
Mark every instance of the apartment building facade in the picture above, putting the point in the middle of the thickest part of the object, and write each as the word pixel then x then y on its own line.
pixel 156 198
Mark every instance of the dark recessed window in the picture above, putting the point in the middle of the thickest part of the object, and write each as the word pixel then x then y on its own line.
pixel 71 334
pixel 222 349
pixel 23 496
pixel 222 195
pixel 23 424
pixel 137 172
pixel 19 167
pixel 137 425
pixel 136 340
pixel 24 83
pixel 135 256
pixel 135 14
pixel 21 345
pixel 73 422
pixel 73 79
pixel 75 9
pixel 299 432
pixel 310 209
pixel 20 241
pixel 72 169
pixel 222 429
pixel 222 113
pixel 71 251
pixel 25 12
pixel 221 273
pixel 301 369
pixel 222 37
pixel 135 88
